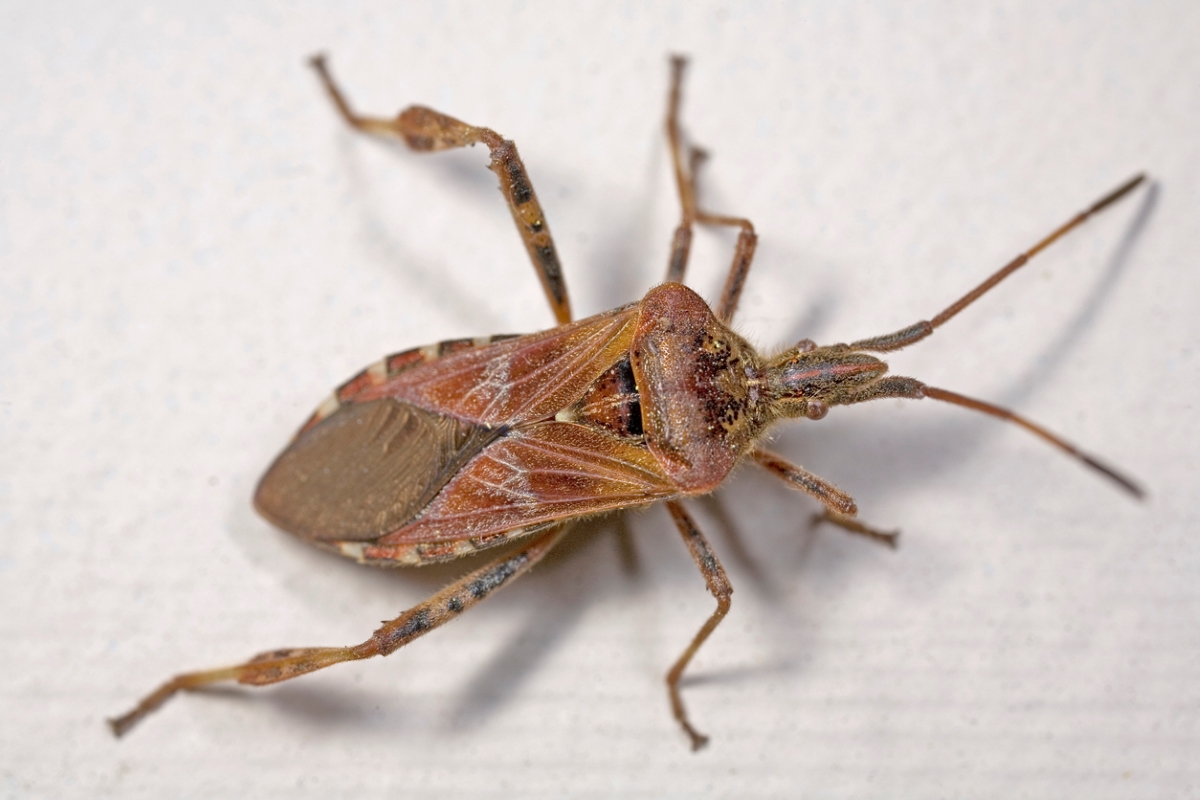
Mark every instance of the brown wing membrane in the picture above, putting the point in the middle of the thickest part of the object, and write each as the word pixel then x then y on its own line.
pixel 536 474
pixel 366 470
pixel 518 380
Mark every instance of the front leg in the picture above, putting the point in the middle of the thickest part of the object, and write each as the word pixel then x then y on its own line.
pixel 840 509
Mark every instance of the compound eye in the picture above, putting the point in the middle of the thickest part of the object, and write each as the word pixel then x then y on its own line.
pixel 815 410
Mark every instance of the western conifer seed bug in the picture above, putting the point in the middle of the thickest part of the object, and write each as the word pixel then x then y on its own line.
pixel 449 449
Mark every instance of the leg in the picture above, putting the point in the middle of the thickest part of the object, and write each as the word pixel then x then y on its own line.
pixel 918 331
pixel 840 508
pixel 428 130
pixel 719 587
pixel 685 180
pixel 681 242
pixel 284 664
pixel 851 525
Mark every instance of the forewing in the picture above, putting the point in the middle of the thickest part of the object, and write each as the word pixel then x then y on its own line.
pixel 536 474
pixel 367 469
pixel 517 380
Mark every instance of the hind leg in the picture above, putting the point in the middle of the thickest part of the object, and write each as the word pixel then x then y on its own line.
pixel 284 664
pixel 427 130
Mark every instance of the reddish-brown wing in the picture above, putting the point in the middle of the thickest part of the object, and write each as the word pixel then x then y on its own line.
pixel 373 460
pixel 517 380
pixel 535 474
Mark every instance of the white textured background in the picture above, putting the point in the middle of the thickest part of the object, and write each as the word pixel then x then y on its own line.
pixel 193 252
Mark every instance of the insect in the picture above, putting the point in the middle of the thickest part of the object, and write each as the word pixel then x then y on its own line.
pixel 458 447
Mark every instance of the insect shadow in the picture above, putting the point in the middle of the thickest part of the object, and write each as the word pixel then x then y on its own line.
pixel 569 577
pixel 381 237
pixel 1055 352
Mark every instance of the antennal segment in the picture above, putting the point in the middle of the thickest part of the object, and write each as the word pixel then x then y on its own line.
pixel 912 389
pixel 918 331
pixel 1037 430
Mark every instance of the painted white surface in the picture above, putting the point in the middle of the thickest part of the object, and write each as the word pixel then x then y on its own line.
pixel 193 251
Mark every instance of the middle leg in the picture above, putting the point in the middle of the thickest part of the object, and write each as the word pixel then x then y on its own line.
pixel 685 180
pixel 720 588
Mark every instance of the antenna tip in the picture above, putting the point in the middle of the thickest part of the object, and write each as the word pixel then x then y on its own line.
pixel 1125 483
pixel 1116 194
